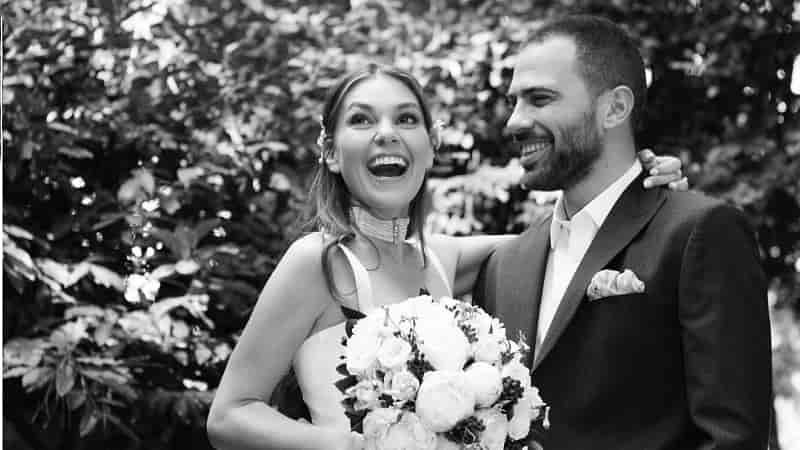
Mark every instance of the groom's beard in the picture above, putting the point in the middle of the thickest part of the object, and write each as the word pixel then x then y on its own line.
pixel 569 162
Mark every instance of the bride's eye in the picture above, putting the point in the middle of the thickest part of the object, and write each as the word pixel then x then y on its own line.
pixel 408 118
pixel 358 119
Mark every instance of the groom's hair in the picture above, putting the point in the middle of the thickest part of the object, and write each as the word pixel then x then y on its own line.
pixel 607 55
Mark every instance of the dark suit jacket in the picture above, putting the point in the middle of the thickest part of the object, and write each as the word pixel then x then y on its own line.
pixel 685 365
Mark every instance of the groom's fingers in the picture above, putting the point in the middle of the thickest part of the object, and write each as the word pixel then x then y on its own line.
pixel 664 165
pixel 680 185
pixel 647 157
pixel 661 180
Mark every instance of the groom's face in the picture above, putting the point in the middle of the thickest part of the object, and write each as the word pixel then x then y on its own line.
pixel 554 122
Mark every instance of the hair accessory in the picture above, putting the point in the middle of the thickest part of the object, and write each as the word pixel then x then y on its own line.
pixel 323 134
pixel 392 230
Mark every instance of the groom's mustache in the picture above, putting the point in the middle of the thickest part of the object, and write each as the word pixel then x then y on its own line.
pixel 517 137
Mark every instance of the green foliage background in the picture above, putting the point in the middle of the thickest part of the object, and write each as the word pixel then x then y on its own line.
pixel 157 155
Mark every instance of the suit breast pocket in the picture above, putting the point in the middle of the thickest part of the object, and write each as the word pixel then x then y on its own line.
pixel 622 299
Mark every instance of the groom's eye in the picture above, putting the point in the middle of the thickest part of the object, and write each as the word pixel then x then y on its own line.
pixel 538 99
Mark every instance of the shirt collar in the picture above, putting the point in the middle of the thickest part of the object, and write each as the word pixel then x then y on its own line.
pixel 596 210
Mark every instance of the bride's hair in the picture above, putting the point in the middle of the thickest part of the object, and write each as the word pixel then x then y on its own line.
pixel 331 199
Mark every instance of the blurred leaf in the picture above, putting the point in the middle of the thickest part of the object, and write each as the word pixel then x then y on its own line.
pixel 76 152
pixel 65 377
pixel 37 377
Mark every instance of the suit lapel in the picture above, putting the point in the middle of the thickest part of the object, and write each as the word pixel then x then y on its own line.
pixel 519 296
pixel 629 215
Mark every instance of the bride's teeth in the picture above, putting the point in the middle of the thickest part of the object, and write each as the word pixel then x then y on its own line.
pixel 388 160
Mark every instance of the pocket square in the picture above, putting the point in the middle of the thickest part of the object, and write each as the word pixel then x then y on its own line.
pixel 611 282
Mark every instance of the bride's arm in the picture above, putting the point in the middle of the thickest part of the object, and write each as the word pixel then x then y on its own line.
pixel 467 255
pixel 240 418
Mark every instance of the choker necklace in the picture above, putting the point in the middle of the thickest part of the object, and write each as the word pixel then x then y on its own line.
pixel 392 230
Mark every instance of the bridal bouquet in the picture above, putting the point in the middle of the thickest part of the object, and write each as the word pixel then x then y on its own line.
pixel 437 374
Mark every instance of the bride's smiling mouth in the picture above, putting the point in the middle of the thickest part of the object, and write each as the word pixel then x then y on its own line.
pixel 388 166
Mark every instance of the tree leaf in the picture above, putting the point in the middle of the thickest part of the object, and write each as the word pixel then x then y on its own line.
pixel 88 422
pixel 18 371
pixel 65 377
pixel 76 152
pixel 37 377
pixel 75 399
pixel 106 277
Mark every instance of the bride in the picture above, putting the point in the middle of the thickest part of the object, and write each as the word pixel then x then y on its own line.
pixel 378 142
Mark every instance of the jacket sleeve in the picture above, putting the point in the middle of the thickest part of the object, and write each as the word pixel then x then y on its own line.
pixel 481 292
pixel 724 317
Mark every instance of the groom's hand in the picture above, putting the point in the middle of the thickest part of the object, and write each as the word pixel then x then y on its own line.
pixel 663 170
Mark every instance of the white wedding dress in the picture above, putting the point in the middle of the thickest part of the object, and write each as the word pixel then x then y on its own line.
pixel 318 356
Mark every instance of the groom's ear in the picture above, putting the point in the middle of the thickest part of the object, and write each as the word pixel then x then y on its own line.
pixel 616 106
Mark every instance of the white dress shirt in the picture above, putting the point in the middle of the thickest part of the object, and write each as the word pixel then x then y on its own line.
pixel 569 241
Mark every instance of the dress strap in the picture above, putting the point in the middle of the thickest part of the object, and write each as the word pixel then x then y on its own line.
pixel 437 264
pixel 363 285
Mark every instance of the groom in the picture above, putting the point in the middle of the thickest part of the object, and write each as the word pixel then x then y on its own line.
pixel 675 354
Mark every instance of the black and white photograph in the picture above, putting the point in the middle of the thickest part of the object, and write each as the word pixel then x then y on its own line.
pixel 400 225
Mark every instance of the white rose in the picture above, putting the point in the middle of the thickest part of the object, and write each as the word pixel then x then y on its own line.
pixel 443 344
pixel 365 393
pixel 482 323
pixel 393 353
pixel 520 424
pixel 494 436
pixel 485 382
pixel 377 422
pixel 361 353
pixel 487 349
pixel 444 399
pixel 404 385
pixel 407 434
pixel 517 371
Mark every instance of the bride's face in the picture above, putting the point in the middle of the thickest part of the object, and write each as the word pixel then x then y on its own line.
pixel 381 145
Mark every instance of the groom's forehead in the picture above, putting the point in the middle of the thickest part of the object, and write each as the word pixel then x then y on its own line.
pixel 546 64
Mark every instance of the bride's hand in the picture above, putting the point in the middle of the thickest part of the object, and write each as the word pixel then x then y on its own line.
pixel 663 170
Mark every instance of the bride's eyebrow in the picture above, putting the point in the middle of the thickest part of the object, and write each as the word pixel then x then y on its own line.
pixel 361 106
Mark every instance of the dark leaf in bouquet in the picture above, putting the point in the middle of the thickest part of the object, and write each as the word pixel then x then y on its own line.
pixel 352 314
pixel 386 400
pixel 348 327
pixel 467 431
pixel 346 383
pixel 356 420
pixel 342 369
pixel 419 366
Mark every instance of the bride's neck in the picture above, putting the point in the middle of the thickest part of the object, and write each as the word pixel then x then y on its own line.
pixel 393 231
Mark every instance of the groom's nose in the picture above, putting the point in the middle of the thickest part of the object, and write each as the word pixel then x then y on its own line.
pixel 521 119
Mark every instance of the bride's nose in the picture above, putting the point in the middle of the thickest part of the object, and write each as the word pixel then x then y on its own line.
pixel 385 134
